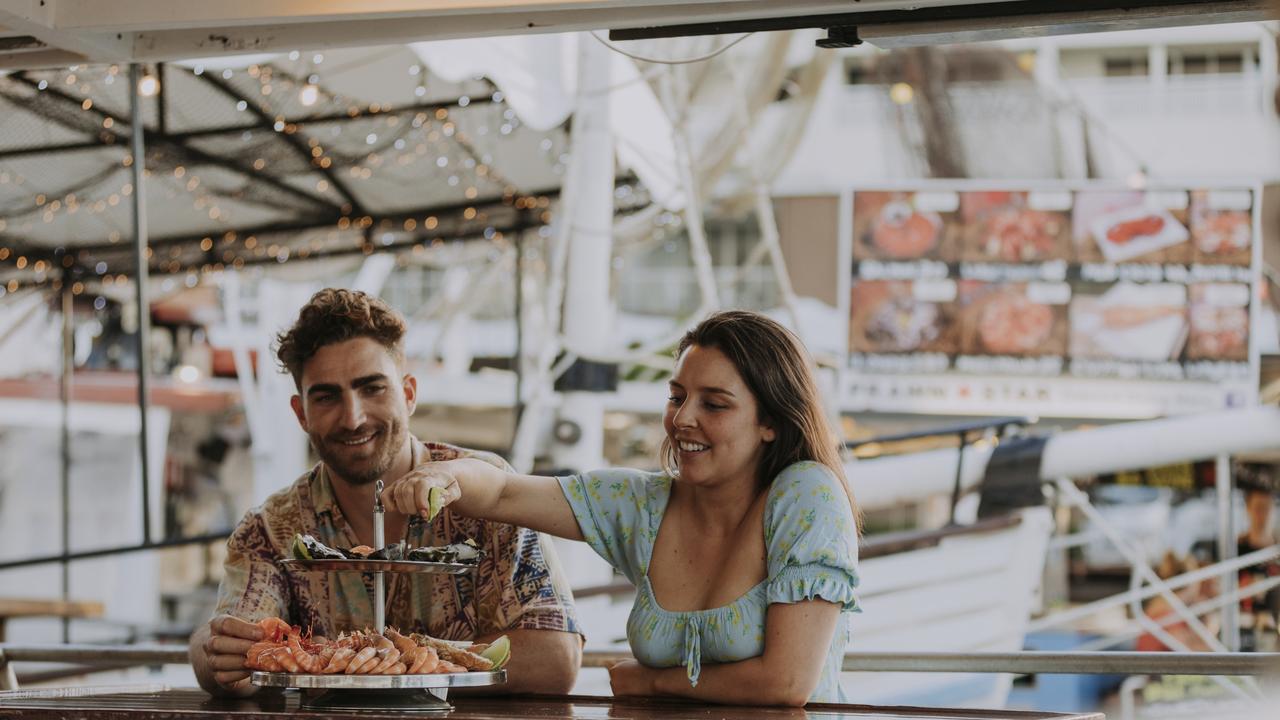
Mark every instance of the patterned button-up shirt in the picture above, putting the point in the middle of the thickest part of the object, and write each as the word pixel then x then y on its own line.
pixel 517 585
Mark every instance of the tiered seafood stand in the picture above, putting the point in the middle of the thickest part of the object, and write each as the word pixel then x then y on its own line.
pixel 420 694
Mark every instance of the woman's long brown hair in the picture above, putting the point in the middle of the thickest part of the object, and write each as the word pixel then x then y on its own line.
pixel 776 368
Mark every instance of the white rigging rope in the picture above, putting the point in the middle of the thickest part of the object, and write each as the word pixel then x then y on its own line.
pixel 671 61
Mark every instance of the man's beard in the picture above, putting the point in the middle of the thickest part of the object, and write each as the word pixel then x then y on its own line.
pixel 386 445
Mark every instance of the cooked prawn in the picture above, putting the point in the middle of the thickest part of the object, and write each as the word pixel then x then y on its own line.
pixel 282 655
pixel 339 662
pixel 309 662
pixel 274 629
pixel 425 660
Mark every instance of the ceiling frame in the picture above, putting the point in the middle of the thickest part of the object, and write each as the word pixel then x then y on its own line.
pixel 158 30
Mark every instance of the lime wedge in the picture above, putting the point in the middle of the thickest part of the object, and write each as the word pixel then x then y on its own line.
pixel 300 548
pixel 498 652
pixel 435 501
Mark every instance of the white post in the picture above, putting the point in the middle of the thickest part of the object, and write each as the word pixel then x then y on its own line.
pixel 588 310
pixel 1269 68
pixel 1158 70
pixel 1227 550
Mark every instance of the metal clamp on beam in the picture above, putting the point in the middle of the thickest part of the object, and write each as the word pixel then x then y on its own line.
pixel 841 36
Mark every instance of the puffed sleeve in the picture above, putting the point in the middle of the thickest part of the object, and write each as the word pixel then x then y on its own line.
pixel 614 510
pixel 810 538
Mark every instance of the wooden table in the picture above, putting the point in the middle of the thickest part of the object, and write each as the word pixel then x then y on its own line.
pixel 33 607
pixel 186 704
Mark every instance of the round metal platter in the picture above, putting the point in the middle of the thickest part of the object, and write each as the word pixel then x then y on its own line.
pixel 342 681
pixel 401 566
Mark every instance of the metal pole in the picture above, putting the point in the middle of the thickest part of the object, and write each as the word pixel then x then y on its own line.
pixel 1227 550
pixel 1077 663
pixel 64 393
pixel 955 489
pixel 518 362
pixel 141 295
pixel 587 312
pixel 8 679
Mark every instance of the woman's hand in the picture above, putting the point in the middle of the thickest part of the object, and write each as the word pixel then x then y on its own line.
pixel 475 488
pixel 423 491
pixel 629 677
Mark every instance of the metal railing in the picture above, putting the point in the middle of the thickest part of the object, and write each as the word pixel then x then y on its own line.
pixel 1082 663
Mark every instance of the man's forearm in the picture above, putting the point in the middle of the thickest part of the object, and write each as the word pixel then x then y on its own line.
pixel 542 661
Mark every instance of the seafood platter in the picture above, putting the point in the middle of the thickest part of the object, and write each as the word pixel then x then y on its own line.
pixel 368 670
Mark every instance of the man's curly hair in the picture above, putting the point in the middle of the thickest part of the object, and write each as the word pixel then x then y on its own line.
pixel 336 315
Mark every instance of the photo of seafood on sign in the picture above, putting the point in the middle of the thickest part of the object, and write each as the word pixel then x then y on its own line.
pixel 1015 227
pixel 1132 226
pixel 903 316
pixel 1222 226
pixel 893 225
pixel 1014 319
pixel 1129 321
pixel 1219 322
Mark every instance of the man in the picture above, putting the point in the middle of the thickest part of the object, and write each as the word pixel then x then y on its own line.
pixel 1258 485
pixel 354 401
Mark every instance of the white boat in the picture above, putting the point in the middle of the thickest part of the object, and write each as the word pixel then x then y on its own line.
pixel 962 589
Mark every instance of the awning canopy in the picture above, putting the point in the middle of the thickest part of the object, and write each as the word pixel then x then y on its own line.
pixel 256 160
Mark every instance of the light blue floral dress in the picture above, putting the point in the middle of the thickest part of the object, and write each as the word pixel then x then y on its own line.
pixel 812 552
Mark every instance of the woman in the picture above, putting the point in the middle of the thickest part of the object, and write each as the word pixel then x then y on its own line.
pixel 743 551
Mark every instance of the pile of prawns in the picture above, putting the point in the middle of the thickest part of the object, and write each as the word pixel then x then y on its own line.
pixel 285 648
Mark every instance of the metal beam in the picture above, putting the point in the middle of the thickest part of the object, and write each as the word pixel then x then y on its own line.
pixel 976 22
pixel 159 16
pixel 230 35
pixel 293 140
pixel 21 43
pixel 113 551
pixel 1021 663
pixel 149 30
pixel 182 137
pixel 193 156
pixel 40 59
pixel 37 18
pixel 312 222
pixel 142 296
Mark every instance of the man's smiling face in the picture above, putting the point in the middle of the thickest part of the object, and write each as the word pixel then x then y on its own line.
pixel 355 404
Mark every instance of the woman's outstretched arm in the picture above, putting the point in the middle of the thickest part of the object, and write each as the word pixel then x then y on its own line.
pixel 476 488
pixel 797 637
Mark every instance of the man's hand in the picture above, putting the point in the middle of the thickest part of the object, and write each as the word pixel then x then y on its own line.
pixel 629 677
pixel 422 491
pixel 229 638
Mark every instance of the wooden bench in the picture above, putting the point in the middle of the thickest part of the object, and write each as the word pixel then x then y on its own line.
pixel 37 608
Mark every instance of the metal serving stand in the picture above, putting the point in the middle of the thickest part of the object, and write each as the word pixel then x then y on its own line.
pixel 423 694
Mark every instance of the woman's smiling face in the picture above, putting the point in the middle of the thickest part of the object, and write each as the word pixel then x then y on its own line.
pixel 712 420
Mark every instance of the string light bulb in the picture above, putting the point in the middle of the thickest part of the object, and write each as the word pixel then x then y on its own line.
pixel 149 85
pixel 309 94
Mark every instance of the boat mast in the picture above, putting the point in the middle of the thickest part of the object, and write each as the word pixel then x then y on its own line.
pixel 588 311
